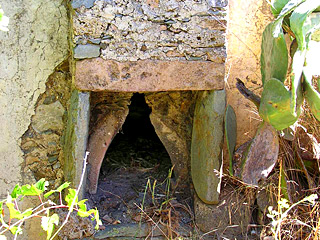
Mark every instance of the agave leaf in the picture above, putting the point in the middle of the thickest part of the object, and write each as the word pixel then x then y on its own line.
pixel 288 7
pixel 274 53
pixel 296 88
pixel 275 106
pixel 312 27
pixel 277 5
pixel 298 19
pixel 311 94
pixel 231 134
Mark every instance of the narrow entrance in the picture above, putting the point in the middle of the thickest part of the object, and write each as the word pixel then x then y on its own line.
pixel 137 144
pixel 136 160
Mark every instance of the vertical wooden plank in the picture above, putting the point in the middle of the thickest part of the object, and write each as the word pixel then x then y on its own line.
pixel 206 146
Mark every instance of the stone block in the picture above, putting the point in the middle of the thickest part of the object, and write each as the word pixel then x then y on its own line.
pixel 79 3
pixel 148 75
pixel 207 140
pixel 86 51
pixel 48 117
pixel 230 218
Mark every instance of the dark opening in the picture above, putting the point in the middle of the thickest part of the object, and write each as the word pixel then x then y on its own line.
pixel 137 174
pixel 137 144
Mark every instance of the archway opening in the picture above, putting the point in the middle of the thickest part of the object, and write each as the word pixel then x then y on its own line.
pixel 136 170
pixel 137 144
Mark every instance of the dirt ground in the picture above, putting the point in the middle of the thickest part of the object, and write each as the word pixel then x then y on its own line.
pixel 135 187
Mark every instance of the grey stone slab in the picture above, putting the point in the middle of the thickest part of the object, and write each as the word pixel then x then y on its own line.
pixel 79 3
pixel 86 51
pixel 206 146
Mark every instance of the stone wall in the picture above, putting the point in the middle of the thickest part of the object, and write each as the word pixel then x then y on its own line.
pixel 42 144
pixel 129 30
pixel 34 46
pixel 149 46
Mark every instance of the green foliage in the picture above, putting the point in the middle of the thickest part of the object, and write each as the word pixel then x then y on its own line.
pixel 274 54
pixel 280 106
pixel 49 220
pixel 47 224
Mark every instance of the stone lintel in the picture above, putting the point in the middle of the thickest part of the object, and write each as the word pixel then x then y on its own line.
pixel 98 74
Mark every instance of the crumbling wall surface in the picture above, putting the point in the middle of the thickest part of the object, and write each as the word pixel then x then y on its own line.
pixel 129 30
pixel 41 144
pixel 247 20
pixel 34 45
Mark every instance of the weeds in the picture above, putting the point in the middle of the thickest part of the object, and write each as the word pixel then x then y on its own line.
pixel 15 219
pixel 281 216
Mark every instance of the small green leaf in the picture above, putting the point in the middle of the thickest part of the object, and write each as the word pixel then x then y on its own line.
pixel 30 190
pixel 14 213
pixel 70 197
pixel 16 192
pixel 59 189
pixel 82 205
pixel 63 186
pixel 82 213
pixel 231 134
pixel 47 224
pixel 27 212
pixel 96 217
pixel 49 193
pixel 15 230
pixel 297 21
pixel 275 106
pixel 274 53
pixel 1 207
pixel 41 185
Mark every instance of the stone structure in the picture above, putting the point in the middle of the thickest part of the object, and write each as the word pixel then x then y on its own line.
pixel 151 46
pixel 29 54
pixel 35 45
pixel 36 84
pixel 163 30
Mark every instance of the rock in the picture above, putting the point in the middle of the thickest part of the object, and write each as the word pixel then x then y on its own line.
pixel 261 156
pixel 171 117
pixel 148 75
pixel 233 210
pixel 79 3
pixel 75 137
pixel 86 51
pixel 207 140
pixel 48 117
pixel 95 41
pixel 102 134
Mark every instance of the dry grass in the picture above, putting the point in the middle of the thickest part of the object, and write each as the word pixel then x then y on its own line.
pixel 298 182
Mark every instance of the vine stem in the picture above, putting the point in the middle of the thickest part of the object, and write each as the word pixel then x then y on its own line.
pixel 75 197
pixel 31 216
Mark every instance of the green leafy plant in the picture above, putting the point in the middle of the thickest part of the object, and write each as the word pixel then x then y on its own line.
pixel 281 216
pixel 12 218
pixel 281 105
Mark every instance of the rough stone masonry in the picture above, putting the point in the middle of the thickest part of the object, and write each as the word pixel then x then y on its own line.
pixel 128 30
pixel 149 46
